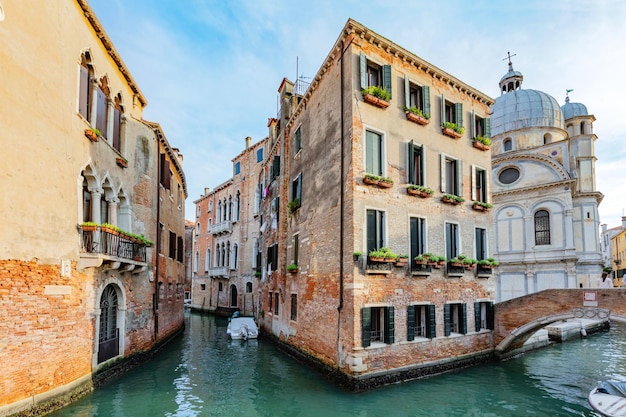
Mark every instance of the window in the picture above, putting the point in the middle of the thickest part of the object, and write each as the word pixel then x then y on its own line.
pixel 117 123
pixel 508 144
pixel 237 206
pixel 237 167
pixel 416 164
pixel 294 307
pixel 542 227
pixel 271 299
pixel 509 175
pixel 102 110
pixel 451 112
pixel 418 236
pixel 196 261
pixel 481 126
pixel 207 260
pixel 452 240
pixel 276 208
pixel 86 201
pixel 417 96
pixel 172 247
pixel 296 192
pixel 479 184
pixel 165 174
pixel 375 230
pixel 451 175
pixel 377 325
pixel 276 303
pixel 235 256
pixel 179 249
pixel 481 243
pixel 455 318
pixel 272 257
pixel 85 92
pixel 297 141
pixel 275 168
pixel 220 287
pixel 296 244
pixel 374 161
pixel 202 287
pixel 372 74
pixel 421 321
pixel 248 287
pixel 259 155
pixel 483 314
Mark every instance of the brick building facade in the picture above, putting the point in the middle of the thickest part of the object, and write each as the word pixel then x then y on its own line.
pixel 341 159
pixel 91 266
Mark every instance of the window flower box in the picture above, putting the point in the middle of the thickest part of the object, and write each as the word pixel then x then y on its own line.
pixel 452 199
pixel 452 130
pixel 419 190
pixel 481 206
pixel 416 115
pixel 482 143
pixel 377 96
pixel 122 162
pixel 92 134
pixel 292 269
pixel 381 182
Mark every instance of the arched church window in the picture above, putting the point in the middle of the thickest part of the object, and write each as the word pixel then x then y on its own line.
pixel 547 138
pixel 509 175
pixel 542 227
pixel 508 144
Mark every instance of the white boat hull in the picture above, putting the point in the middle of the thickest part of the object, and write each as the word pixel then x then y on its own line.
pixel 242 328
pixel 607 404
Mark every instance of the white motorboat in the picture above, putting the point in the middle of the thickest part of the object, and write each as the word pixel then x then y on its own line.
pixel 609 398
pixel 242 328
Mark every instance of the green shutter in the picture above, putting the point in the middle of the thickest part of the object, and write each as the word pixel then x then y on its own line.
pixel 371 231
pixel 442 168
pixel 458 112
pixel 411 165
pixel 407 92
pixel 477 316
pixel 363 70
pixel 387 78
pixel 459 177
pixel 426 98
pixel 369 152
pixel 299 194
pixel 443 109
pixel 490 316
pixel 432 323
pixel 410 322
pixel 366 325
pixel 390 320
pixel 446 319
pixel 473 124
pixel 487 122
pixel 463 319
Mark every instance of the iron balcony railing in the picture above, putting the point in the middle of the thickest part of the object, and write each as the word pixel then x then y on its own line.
pixel 113 244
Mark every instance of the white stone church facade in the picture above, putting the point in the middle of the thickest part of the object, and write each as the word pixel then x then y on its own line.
pixel 544 191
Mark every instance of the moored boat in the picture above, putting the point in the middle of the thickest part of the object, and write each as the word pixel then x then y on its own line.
pixel 609 398
pixel 242 328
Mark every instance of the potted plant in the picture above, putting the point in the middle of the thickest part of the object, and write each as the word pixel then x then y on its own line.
pixel 481 205
pixel 92 134
pixel 292 268
pixel 456 261
pixel 357 255
pixel 452 129
pixel 293 205
pixel 482 143
pixel 376 256
pixel 121 161
pixel 402 260
pixel 257 274
pixel 419 190
pixel 89 226
pixel 385 182
pixel 420 260
pixel 468 263
pixel 416 115
pixel 371 179
pixel 377 96
pixel 452 199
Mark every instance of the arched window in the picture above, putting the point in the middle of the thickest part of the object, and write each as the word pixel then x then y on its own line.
pixel 230 207
pixel 582 128
pixel 109 335
pixel 547 138
pixel 196 261
pixel 84 93
pixel 118 110
pixel 233 296
pixel 235 255
pixel 542 227
pixel 207 260
pixel 237 203
pixel 508 144
pixel 102 109
pixel 248 287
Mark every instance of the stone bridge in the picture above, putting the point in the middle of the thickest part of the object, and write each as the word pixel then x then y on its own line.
pixel 517 319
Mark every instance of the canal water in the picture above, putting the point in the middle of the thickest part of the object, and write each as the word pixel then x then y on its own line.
pixel 203 373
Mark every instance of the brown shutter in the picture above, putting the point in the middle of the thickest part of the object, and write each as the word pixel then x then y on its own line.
pixel 83 94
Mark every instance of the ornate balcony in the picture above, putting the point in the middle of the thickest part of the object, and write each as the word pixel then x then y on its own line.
pixel 223 227
pixel 111 249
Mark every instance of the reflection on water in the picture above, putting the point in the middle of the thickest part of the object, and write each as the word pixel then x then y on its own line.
pixel 204 373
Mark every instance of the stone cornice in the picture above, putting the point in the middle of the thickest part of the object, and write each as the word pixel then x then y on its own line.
pixel 108 46
pixel 511 158
pixel 170 151
pixel 568 182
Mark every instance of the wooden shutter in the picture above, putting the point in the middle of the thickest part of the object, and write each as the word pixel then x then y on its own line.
pixel 390 322
pixel 426 99
pixel 363 71
pixel 487 122
pixel 463 319
pixel 366 325
pixel 459 177
pixel 446 319
pixel 477 316
pixel 431 329
pixel 117 124
pixel 101 112
pixel 458 113
pixel 410 323
pixel 371 231
pixel 473 182
pixel 83 93
pixel 490 316
pixel 407 92
pixel 473 124
pixel 442 168
pixel 387 78
pixel 179 249
pixel 165 172
pixel 299 190
pixel 443 109
pixel 411 163
pixel 480 244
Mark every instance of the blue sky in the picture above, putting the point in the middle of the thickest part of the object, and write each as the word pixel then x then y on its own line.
pixel 184 54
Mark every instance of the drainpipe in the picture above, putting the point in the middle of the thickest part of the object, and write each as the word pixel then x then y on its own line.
pixel 341 198
pixel 155 304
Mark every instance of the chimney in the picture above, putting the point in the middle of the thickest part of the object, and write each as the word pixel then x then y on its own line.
pixel 248 142
pixel 623 222
pixel 206 190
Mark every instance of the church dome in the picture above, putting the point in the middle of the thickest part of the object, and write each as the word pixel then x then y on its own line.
pixel 573 109
pixel 519 109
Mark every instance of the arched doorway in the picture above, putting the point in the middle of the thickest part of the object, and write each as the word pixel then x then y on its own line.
pixel 108 341
pixel 233 296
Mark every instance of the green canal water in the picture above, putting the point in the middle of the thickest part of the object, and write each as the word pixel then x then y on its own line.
pixel 203 373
